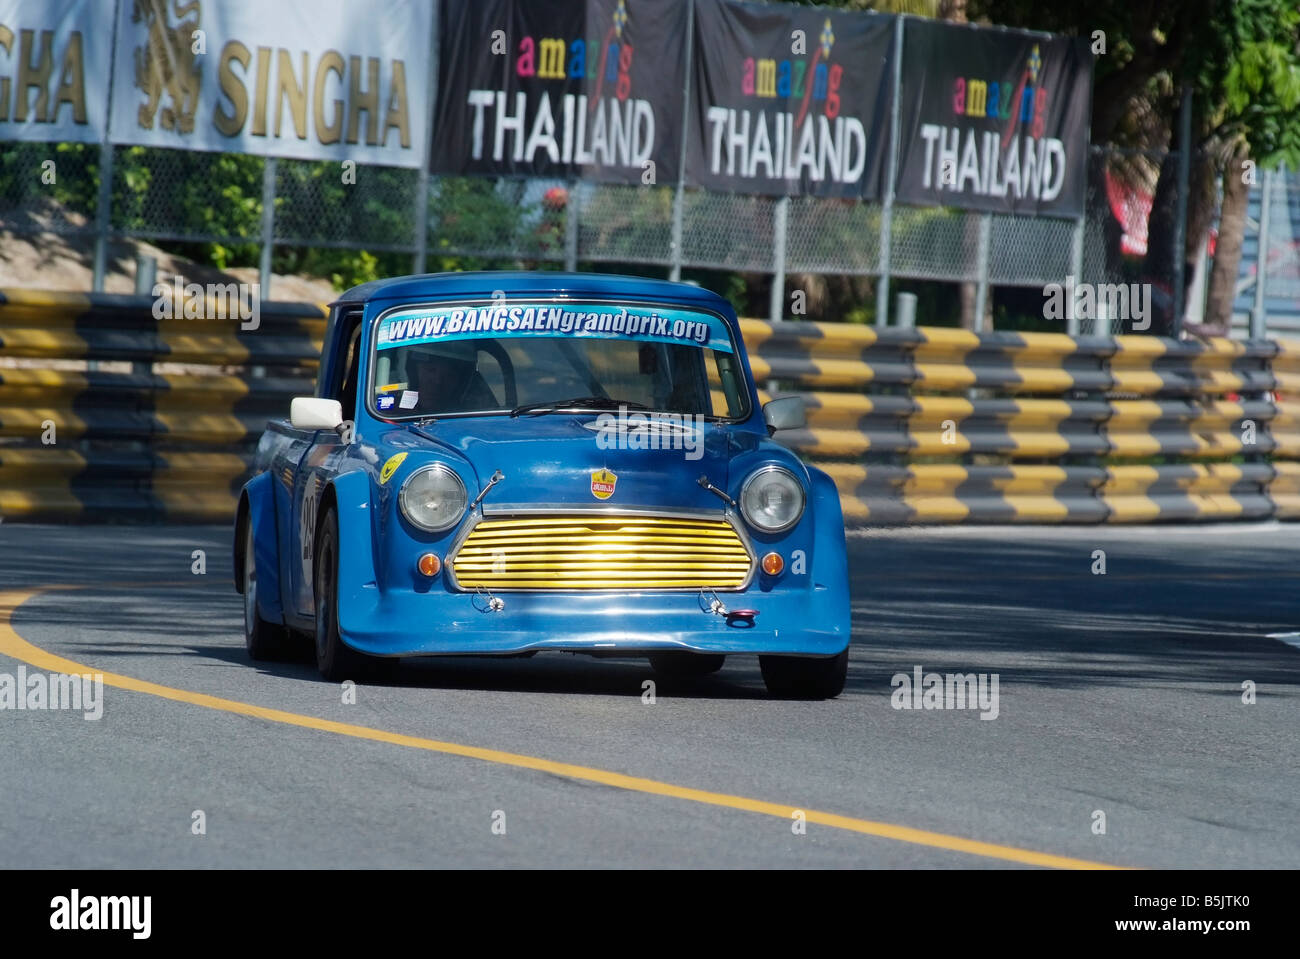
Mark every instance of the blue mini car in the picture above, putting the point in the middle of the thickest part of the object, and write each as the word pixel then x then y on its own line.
pixel 497 464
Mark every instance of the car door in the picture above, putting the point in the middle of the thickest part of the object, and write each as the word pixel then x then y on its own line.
pixel 320 460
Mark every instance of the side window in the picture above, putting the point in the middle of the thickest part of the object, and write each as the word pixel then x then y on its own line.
pixel 347 394
pixel 344 375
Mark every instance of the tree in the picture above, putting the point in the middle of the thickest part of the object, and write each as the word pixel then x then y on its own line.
pixel 1248 77
pixel 1239 57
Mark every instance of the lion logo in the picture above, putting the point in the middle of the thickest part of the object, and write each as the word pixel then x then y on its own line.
pixel 166 63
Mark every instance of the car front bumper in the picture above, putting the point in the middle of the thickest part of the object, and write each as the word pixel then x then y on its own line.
pixel 811 621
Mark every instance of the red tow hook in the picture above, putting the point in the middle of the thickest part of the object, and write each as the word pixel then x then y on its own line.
pixel 737 617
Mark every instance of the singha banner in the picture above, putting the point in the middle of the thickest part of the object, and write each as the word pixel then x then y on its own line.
pixel 789 100
pixel 561 88
pixel 54 57
pixel 307 79
pixel 994 120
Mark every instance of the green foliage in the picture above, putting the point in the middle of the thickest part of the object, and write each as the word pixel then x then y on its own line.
pixel 1248 77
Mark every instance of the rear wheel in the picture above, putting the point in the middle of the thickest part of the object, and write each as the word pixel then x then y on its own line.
pixel 805 677
pixel 263 640
pixel 335 659
pixel 681 663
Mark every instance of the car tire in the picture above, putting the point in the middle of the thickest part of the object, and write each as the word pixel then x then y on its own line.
pixel 805 677
pixel 334 658
pixel 265 641
pixel 681 663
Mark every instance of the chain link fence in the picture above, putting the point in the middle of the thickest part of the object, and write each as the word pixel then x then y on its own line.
pixel 182 196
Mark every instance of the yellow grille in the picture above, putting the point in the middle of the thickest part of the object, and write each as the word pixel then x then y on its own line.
pixel 602 552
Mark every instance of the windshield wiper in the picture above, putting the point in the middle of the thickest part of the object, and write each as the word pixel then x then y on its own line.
pixel 593 402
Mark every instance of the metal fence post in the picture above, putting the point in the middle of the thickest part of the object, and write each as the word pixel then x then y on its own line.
pixel 887 206
pixel 104 207
pixel 780 219
pixel 679 197
pixel 268 225
pixel 982 278
pixel 1180 217
pixel 421 222
pixel 1076 267
pixel 422 181
pixel 571 228
pixel 102 214
pixel 1258 315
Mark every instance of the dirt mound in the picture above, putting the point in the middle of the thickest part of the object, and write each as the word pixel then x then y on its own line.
pixel 41 258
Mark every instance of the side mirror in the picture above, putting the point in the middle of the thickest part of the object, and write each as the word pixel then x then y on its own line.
pixel 315 413
pixel 787 413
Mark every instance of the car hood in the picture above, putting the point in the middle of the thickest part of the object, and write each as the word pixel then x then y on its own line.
pixel 589 459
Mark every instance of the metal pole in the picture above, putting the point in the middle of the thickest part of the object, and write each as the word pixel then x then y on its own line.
pixel 422 181
pixel 1076 268
pixel 571 228
pixel 103 210
pixel 679 198
pixel 982 281
pixel 102 217
pixel 268 225
pixel 905 310
pixel 1258 317
pixel 1180 222
pixel 780 218
pixel 146 275
pixel 146 272
pixel 887 207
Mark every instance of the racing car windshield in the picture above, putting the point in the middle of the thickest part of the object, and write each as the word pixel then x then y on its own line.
pixel 531 358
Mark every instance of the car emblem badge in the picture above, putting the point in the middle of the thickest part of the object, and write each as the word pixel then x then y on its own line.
pixel 390 467
pixel 603 482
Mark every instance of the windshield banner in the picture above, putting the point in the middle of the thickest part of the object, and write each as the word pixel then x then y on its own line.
pixel 606 321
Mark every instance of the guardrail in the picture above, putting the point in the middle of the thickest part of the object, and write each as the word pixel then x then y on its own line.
pixel 914 425
pixel 164 427
pixel 942 426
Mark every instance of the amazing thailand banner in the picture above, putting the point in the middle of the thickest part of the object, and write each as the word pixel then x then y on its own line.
pixel 561 88
pixel 789 100
pixel 994 120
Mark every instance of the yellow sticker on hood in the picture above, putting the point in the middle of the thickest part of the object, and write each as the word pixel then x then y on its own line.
pixel 390 467
pixel 603 482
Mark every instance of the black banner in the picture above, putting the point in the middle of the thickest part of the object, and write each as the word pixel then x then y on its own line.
pixel 994 120
pixel 558 88
pixel 788 100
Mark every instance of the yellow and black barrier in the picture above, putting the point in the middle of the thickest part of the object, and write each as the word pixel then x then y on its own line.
pixel 107 412
pixel 165 423
pixel 948 426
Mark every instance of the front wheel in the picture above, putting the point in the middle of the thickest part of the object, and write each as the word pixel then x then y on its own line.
pixel 335 659
pixel 805 677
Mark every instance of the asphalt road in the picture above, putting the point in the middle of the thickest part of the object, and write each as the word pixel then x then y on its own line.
pixel 1118 694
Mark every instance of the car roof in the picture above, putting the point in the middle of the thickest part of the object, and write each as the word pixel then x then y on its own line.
pixel 485 283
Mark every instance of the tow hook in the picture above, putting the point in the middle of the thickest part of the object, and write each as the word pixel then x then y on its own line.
pixel 714 605
pixel 494 603
pixel 710 603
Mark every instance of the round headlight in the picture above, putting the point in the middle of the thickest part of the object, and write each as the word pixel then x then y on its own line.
pixel 772 499
pixel 433 498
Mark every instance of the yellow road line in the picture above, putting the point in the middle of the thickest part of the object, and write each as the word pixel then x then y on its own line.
pixel 13 645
